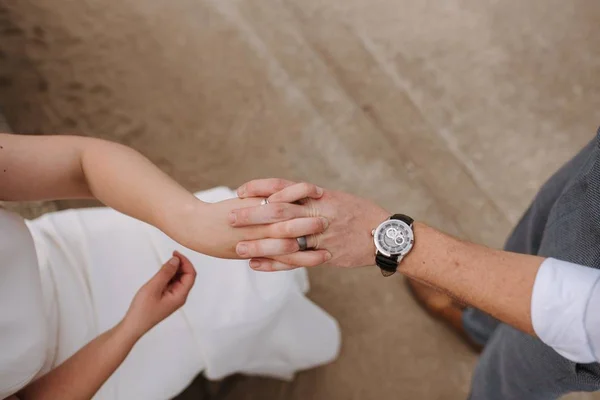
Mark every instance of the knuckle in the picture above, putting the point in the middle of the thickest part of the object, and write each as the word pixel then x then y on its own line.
pixel 306 187
pixel 279 184
pixel 279 211
pixel 323 224
pixel 317 225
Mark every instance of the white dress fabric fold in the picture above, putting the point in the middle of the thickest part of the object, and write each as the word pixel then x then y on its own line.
pixel 236 320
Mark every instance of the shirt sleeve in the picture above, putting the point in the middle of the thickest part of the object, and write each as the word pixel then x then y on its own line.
pixel 564 312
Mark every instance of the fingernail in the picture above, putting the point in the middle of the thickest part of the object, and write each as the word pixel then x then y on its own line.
pixel 325 222
pixel 254 264
pixel 328 256
pixel 319 191
pixel 232 218
pixel 174 261
pixel 242 249
pixel 241 191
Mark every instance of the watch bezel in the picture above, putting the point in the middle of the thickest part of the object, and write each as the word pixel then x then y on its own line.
pixel 411 236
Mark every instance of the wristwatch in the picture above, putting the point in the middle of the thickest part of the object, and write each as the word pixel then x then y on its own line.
pixel 394 239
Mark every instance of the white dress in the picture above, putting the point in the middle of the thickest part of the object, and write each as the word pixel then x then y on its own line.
pixel 92 262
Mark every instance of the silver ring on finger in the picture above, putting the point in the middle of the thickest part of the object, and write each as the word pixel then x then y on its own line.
pixel 302 243
pixel 264 202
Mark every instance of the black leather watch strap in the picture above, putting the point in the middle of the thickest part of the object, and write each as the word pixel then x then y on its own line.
pixel 404 218
pixel 389 264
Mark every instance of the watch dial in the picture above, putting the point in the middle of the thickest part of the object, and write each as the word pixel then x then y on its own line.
pixel 394 237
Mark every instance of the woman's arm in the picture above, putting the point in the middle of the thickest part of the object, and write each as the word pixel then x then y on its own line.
pixel 82 375
pixel 60 167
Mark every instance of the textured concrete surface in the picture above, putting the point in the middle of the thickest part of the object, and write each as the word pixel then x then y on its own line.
pixel 454 112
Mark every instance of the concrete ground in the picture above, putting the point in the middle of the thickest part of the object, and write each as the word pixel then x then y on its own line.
pixel 454 112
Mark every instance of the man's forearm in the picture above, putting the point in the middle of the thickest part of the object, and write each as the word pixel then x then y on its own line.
pixel 497 282
pixel 82 375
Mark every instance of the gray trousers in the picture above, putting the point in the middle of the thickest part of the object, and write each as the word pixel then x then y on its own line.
pixel 563 222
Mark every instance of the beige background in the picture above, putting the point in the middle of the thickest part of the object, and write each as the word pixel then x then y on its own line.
pixel 454 112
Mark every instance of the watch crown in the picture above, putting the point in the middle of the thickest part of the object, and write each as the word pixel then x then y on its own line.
pixel 373 232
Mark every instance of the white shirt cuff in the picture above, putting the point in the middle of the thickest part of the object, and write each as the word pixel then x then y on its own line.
pixel 559 303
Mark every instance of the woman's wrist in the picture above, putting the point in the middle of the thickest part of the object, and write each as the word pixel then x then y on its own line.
pixel 128 331
pixel 182 220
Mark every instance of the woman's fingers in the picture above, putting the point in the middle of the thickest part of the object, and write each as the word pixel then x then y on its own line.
pixel 291 261
pixel 297 192
pixel 159 282
pixel 272 247
pixel 262 187
pixel 267 214
pixel 186 271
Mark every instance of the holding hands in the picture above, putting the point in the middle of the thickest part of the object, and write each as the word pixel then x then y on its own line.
pixel 346 240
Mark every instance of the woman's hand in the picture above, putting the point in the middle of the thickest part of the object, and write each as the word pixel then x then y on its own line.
pixel 207 227
pixel 161 296
pixel 348 236
pixel 81 375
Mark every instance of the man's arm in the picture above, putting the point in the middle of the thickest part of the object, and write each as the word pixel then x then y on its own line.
pixel 497 282
pixel 550 298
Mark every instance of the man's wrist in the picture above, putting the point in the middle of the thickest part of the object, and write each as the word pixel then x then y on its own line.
pixel 432 249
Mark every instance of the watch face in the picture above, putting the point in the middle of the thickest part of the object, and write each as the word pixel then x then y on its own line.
pixel 394 237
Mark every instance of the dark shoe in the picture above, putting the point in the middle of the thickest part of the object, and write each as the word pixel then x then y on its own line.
pixel 442 307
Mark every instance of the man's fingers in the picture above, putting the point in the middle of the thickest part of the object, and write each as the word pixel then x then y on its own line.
pixel 266 247
pixel 267 214
pixel 272 247
pixel 297 192
pixel 262 187
pixel 291 261
pixel 297 227
pixel 311 258
pixel 269 265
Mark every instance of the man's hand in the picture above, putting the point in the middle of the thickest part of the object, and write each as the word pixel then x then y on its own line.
pixel 347 240
pixel 162 295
